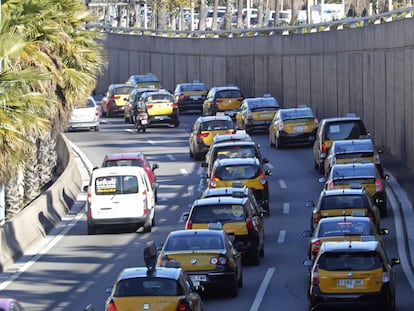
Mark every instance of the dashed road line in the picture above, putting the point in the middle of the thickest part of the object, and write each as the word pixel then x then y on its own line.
pixel 281 237
pixel 171 157
pixel 286 208
pixel 183 171
pixel 282 184
pixel 262 290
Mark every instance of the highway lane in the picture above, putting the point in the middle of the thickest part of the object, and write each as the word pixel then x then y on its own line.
pixel 78 268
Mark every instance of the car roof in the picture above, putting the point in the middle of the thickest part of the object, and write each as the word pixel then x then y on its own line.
pixel 149 77
pixel 236 161
pixel 202 119
pixel 262 101
pixel 124 156
pixel 144 89
pixel 344 218
pixel 365 143
pixel 341 119
pixel 234 143
pixel 199 232
pixel 222 88
pixel 224 191
pixel 116 85
pixel 157 91
pixel 236 136
pixel 348 246
pixel 117 170
pixel 345 191
pixel 220 200
pixel 160 272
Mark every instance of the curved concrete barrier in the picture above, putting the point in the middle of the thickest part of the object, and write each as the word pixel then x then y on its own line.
pixel 38 218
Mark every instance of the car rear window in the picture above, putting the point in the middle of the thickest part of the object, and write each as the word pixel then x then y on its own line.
pixel 217 125
pixel 297 114
pixel 218 213
pixel 201 242
pixel 345 227
pixel 234 152
pixel 351 171
pixel 236 172
pixel 123 162
pixel 90 104
pixel 160 97
pixel 345 130
pixel 358 261
pixel 110 185
pixel 229 94
pixel 263 104
pixel 123 90
pixel 343 202
pixel 148 286
pixel 193 87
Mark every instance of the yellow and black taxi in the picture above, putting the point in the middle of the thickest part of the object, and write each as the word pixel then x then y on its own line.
pixel 113 102
pixel 352 272
pixel 343 202
pixel 293 125
pixel 208 256
pixel 353 151
pixel 226 99
pixel 234 149
pixel 130 108
pixel 161 107
pixel 342 228
pixel 248 172
pixel 148 80
pixel 241 192
pixel 256 114
pixel 332 129
pixel 204 129
pixel 359 175
pixel 190 96
pixel 154 288
pixel 237 216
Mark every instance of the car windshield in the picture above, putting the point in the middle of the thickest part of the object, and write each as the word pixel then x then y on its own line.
pixel 349 261
pixel 148 286
pixel 201 242
pixel 111 185
pixel 343 202
pixel 345 227
pixel 124 162
pixel 264 104
pixel 353 171
pixel 344 130
pixel 218 213
pixel 237 172
pixel 351 147
pixel 294 114
pixel 216 125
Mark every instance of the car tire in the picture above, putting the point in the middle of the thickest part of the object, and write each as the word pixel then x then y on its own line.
pixel 240 281
pixel 91 230
pixel 261 252
pixel 191 154
pixel 321 169
pixel 197 156
pixel 234 292
pixel 176 124
pixel 254 256
pixel 271 144
pixel 278 143
pixel 96 128
pixel 147 226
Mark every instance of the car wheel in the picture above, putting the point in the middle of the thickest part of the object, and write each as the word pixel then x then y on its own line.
pixel 191 154
pixel 177 124
pixel 261 252
pixel 147 226
pixel 91 230
pixel 96 128
pixel 197 156
pixel 254 256
pixel 240 281
pixel 234 292
pixel 321 168
pixel 271 144
pixel 278 143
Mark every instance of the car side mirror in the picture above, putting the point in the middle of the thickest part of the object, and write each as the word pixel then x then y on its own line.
pixel 394 262
pixel 384 231
pixel 306 234
pixel 155 166
pixel 268 172
pixel 310 204
pixel 204 164
pixel 265 161
pixel 85 188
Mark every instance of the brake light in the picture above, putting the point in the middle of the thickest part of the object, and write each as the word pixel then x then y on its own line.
pixel 316 122
pixel 385 275
pixel 181 97
pixel 249 116
pixel 213 182
pixel 182 306
pixel 189 224
pixel 149 106
pixel 174 105
pixel 115 97
pixel 316 217
pixel 323 148
pixel 166 259
pixel 329 185
pixel 89 197
pixel 249 223
pixel 230 132
pixel 281 125
pixel 316 245
pixel 262 179
pixel 218 101
pixel 111 306
pixel 378 185
pixel 97 112
pixel 203 135
pixel 315 275
pixel 221 260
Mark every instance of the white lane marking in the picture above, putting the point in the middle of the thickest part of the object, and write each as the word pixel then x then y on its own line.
pixel 171 157
pixel 281 237
pixel 130 130
pixel 269 166
pixel 152 142
pixel 183 171
pixel 286 208
pixel 402 251
pixel 262 290
pixel 190 190
pixel 282 184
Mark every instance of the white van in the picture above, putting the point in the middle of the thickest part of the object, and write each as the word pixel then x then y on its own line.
pixel 119 195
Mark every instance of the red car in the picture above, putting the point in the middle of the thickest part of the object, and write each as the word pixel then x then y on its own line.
pixel 133 159
pixel 9 304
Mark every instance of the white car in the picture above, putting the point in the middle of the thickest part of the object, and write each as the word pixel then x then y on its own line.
pixel 119 196
pixel 86 116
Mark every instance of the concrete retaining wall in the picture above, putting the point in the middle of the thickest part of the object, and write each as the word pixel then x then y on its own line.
pixel 366 70
pixel 37 219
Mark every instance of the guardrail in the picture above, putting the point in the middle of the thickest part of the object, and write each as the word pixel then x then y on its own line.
pixel 351 22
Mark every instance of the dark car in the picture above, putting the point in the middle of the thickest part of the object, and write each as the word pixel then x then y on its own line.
pixel 113 102
pixel 225 99
pixel 148 80
pixel 130 109
pixel 190 96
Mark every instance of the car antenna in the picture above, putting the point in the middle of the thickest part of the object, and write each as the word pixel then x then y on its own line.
pixel 150 256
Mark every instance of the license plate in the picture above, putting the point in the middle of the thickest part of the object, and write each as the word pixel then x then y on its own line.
pixel 300 128
pixel 160 118
pixel 265 115
pixel 144 122
pixel 195 97
pixel 198 278
pixel 351 283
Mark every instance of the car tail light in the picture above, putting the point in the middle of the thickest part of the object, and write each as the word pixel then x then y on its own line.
pixel 385 275
pixel 329 185
pixel 96 112
pixel 230 132
pixel 316 122
pixel 281 126
pixel 323 148
pixel 249 116
pixel 174 105
pixel 315 275
pixel 221 260
pixel 149 106
pixel 89 197
pixel 378 185
pixel 218 101
pixel 316 245
pixel 115 97
pixel 316 217
pixel 183 306
pixel 202 135
pixel 181 97
pixel 249 223
pixel 166 259
pixel 111 306
pixel 189 224
pixel 213 182
pixel 262 179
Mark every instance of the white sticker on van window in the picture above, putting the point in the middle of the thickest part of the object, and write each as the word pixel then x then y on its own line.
pixel 334 129
pixel 106 184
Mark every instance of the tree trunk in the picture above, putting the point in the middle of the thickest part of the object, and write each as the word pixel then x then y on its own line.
pixel 260 10
pixel 14 191
pixel 214 23
pixel 202 21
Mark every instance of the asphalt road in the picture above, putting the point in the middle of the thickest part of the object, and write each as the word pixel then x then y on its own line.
pixel 70 269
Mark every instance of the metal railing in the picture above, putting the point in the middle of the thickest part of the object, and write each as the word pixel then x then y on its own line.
pixel 346 23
